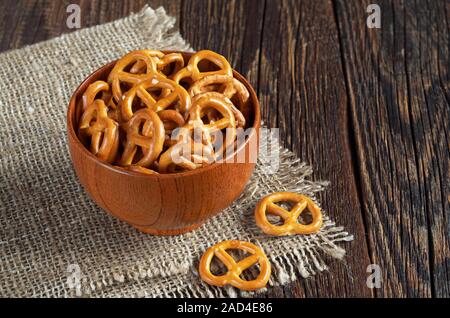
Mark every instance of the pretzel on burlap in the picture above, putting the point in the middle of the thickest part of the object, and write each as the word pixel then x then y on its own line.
pixel 102 131
pixel 156 82
pixel 235 269
pixel 192 71
pixel 290 218
pixel 145 131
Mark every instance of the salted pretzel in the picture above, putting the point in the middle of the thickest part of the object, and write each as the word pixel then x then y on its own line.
pixel 235 269
pixel 142 170
pixel 191 70
pixel 92 91
pixel 145 131
pixel 187 153
pixel 102 131
pixel 171 119
pixel 119 75
pixel 213 114
pixel 225 84
pixel 163 65
pixel 225 120
pixel 177 94
pixel 290 226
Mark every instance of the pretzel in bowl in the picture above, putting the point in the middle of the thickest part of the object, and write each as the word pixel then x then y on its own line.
pixel 119 76
pixel 225 119
pixel 143 170
pixel 213 114
pixel 168 65
pixel 100 130
pixel 92 91
pixel 171 119
pixel 144 131
pixel 150 95
pixel 290 218
pixel 235 269
pixel 177 94
pixel 188 152
pixel 192 72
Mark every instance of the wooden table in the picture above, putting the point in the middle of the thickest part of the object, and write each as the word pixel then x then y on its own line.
pixel 368 108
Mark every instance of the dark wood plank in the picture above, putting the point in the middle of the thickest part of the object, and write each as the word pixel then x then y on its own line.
pixel 25 22
pixel 397 78
pixel 302 92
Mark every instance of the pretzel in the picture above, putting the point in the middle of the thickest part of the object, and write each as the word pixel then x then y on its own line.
pixel 150 138
pixel 213 114
pixel 102 131
pixel 171 119
pixel 92 91
pixel 162 64
pixel 142 170
pixel 290 225
pixel 177 93
pixel 118 74
pixel 228 86
pixel 235 269
pixel 192 71
pixel 187 154
pixel 222 106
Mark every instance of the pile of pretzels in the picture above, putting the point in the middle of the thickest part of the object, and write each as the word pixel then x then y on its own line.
pixel 130 119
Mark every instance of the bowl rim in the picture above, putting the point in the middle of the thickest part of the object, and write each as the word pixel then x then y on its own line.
pixel 77 143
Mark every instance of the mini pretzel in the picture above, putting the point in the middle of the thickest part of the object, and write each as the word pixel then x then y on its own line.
pixel 229 86
pixel 186 154
pixel 222 106
pixel 177 93
pixel 102 131
pixel 162 64
pixel 171 119
pixel 235 269
pixel 92 91
pixel 118 74
pixel 142 170
pixel 192 71
pixel 212 113
pixel 144 130
pixel 290 225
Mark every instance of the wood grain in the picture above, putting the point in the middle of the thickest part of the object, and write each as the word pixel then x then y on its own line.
pixel 400 113
pixel 368 108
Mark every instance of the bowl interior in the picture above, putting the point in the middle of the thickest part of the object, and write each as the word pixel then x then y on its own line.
pixel 251 112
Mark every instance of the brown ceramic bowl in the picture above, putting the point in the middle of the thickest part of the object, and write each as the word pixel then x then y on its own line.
pixel 161 204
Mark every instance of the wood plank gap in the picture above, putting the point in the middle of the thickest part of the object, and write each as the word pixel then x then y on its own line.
pixel 355 163
pixel 260 49
pixel 416 152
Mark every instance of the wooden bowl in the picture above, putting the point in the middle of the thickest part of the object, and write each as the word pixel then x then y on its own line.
pixel 160 204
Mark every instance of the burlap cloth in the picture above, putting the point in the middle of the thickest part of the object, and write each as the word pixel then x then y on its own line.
pixel 47 222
